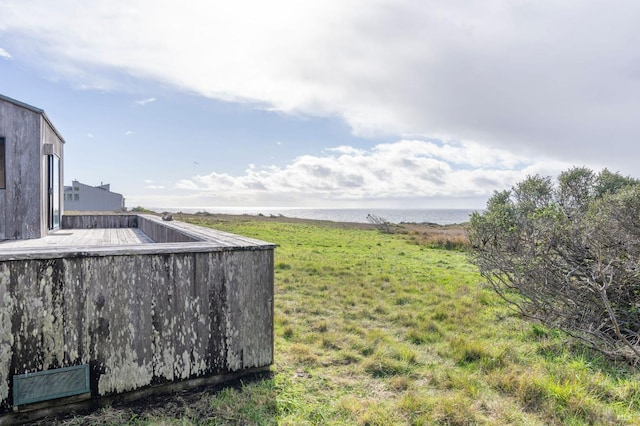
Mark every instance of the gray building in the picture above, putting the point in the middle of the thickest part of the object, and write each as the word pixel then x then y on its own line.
pixel 83 198
pixel 31 164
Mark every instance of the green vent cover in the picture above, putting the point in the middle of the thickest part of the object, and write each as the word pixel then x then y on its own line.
pixel 44 385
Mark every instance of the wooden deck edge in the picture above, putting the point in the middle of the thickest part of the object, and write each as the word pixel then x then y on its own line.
pixel 188 238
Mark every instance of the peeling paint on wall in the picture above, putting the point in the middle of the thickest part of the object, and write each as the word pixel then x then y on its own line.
pixel 136 319
pixel 7 304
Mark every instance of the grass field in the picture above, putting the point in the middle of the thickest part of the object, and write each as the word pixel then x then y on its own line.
pixel 381 329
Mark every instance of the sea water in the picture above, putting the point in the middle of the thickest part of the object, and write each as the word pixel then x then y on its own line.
pixel 438 216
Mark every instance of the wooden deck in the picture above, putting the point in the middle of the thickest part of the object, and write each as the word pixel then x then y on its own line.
pixel 82 237
pixel 148 302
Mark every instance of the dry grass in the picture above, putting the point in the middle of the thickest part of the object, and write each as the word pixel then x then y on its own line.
pixel 448 237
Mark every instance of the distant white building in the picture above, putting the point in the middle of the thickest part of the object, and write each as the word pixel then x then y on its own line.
pixel 81 197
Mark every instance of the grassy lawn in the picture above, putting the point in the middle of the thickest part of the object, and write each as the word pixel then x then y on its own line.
pixel 375 329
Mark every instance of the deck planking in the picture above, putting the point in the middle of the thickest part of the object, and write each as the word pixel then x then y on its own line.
pixel 82 237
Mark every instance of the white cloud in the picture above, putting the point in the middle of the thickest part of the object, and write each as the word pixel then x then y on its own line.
pixel 150 184
pixel 128 133
pixel 4 54
pixel 343 149
pixel 187 184
pixel 145 101
pixel 90 135
pixel 557 78
pixel 404 170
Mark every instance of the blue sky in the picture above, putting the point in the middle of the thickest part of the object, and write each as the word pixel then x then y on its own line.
pixel 407 104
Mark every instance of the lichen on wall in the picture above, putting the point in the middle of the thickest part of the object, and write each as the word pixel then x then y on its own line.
pixel 136 319
pixel 7 303
pixel 248 335
pixel 37 315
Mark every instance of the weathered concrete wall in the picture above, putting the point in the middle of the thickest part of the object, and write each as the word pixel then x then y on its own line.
pixel 138 319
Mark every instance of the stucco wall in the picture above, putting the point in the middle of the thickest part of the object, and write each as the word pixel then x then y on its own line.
pixel 138 319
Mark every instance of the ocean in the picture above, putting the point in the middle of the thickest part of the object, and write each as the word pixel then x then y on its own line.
pixel 439 216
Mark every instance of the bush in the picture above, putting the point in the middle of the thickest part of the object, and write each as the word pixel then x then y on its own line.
pixel 140 209
pixel 381 223
pixel 567 255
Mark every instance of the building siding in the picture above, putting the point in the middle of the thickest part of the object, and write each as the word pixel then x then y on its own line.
pixel 25 130
pixel 81 197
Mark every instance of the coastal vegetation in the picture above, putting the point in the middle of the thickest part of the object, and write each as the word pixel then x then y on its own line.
pixel 566 254
pixel 377 328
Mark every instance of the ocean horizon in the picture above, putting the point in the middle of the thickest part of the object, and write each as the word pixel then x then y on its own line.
pixel 356 215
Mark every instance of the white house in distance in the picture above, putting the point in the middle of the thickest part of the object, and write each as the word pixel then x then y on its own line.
pixel 81 197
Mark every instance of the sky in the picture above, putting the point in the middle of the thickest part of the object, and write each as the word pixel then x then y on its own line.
pixel 327 103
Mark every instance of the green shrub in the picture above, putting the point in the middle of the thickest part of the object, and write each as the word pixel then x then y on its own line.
pixel 567 255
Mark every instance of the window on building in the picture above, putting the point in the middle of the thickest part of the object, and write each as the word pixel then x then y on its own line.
pixel 76 197
pixel 3 172
pixel 53 165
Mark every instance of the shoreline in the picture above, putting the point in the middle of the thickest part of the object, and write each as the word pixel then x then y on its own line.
pixel 432 234
pixel 347 215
